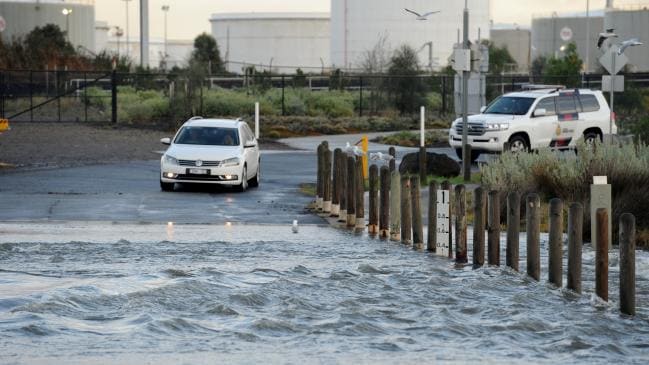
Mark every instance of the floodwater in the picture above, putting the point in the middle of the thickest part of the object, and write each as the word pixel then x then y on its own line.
pixel 83 294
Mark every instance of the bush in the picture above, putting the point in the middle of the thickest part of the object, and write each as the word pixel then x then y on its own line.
pixel 569 176
pixel 334 104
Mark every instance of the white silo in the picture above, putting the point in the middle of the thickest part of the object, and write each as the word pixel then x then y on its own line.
pixel 357 26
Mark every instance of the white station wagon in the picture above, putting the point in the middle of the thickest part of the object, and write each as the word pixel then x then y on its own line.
pixel 211 151
pixel 529 120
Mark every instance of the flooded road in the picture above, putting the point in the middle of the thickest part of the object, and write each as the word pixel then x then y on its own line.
pixel 96 293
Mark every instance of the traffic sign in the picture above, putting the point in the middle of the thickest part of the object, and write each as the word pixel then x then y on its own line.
pixel 612 58
pixel 566 34
pixel 614 82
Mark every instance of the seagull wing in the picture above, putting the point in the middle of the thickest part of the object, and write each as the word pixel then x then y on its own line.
pixel 413 12
pixel 430 13
pixel 600 41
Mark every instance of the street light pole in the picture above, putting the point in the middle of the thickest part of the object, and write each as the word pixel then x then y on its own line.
pixel 466 159
pixel 587 36
pixel 165 9
pixel 67 13
pixel 126 2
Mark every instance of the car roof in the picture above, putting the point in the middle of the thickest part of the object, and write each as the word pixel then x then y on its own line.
pixel 222 123
pixel 543 92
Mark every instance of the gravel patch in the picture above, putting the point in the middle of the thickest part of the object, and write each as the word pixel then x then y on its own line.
pixel 47 145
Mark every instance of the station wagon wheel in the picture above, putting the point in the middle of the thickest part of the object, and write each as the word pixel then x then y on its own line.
pixel 518 144
pixel 244 179
pixel 255 180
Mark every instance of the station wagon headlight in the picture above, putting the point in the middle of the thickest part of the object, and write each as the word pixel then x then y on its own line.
pixel 497 126
pixel 235 161
pixel 170 160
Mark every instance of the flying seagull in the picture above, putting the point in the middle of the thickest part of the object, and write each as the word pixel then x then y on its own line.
pixel 629 43
pixel 421 16
pixel 604 36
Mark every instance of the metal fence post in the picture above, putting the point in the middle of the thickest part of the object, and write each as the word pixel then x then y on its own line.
pixel 283 87
pixel 113 97
pixel 2 94
pixel 85 96
pixel 31 95
pixel 360 102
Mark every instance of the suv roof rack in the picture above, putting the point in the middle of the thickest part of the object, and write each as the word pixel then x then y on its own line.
pixel 553 88
pixel 195 118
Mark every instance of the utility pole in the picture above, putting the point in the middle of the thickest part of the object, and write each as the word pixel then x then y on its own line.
pixel 165 9
pixel 466 159
pixel 144 33
pixel 587 37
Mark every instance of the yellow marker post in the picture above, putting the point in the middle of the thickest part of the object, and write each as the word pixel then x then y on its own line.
pixel 4 125
pixel 365 147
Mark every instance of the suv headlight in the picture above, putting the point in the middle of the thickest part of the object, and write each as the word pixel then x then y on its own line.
pixel 170 160
pixel 234 161
pixel 491 127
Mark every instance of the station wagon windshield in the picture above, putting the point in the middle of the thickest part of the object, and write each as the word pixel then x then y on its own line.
pixel 510 105
pixel 211 136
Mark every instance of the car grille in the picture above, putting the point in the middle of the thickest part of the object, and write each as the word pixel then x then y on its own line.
pixel 475 129
pixel 192 163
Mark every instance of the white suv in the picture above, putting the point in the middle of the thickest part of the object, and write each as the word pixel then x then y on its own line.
pixel 528 120
pixel 211 151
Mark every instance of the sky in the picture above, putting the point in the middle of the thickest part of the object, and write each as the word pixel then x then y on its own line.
pixel 188 18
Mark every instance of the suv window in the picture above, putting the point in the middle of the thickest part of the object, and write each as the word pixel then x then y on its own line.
pixel 510 105
pixel 549 105
pixel 566 104
pixel 589 103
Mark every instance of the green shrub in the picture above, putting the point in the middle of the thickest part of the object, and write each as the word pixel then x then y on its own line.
pixel 334 104
pixel 568 176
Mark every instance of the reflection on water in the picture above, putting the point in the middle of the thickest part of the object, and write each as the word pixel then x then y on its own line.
pixel 263 294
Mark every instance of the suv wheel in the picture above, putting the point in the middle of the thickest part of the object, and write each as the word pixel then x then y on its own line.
pixel 591 137
pixel 518 144
pixel 474 154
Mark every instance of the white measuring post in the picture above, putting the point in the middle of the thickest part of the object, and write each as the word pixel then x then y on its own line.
pixel 443 242
pixel 422 138
pixel 257 120
pixel 600 197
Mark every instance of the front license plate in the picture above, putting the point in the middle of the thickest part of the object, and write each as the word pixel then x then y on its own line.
pixel 199 171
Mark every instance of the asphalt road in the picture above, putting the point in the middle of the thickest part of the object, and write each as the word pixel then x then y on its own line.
pixel 130 192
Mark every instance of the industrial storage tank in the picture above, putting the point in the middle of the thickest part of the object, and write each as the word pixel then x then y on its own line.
pixel 632 22
pixel 551 33
pixel 358 25
pixel 282 42
pixel 19 17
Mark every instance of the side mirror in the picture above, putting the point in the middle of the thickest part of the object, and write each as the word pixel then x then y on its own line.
pixel 540 112
pixel 250 144
pixel 165 140
pixel 482 109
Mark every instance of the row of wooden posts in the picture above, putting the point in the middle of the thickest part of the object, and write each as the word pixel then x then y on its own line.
pixel 395 213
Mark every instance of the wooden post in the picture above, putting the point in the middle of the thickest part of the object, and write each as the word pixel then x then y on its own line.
pixel 493 228
pixel 467 157
pixel 601 254
pixel 533 218
pixel 326 182
pixel 555 254
pixel 422 165
pixel 319 185
pixel 373 226
pixel 384 217
pixel 406 211
pixel 479 220
pixel 417 224
pixel 335 197
pixel 351 192
pixel 627 264
pixel 342 216
pixel 446 185
pixel 432 216
pixel 393 162
pixel 460 225
pixel 395 205
pixel 575 241
pixel 360 194
pixel 513 229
